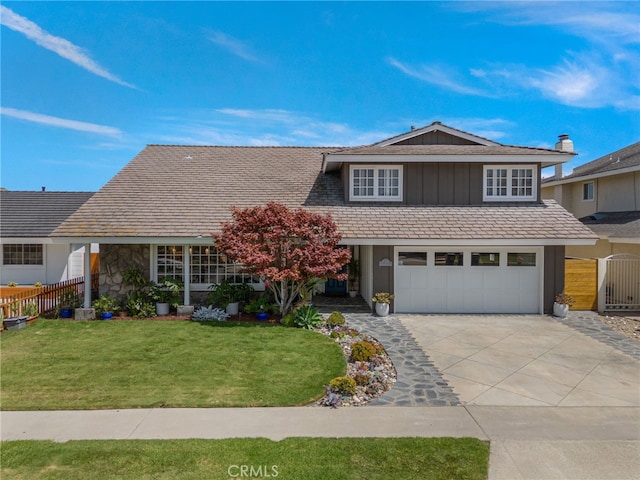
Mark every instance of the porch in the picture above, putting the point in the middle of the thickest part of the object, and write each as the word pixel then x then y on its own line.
pixel 342 303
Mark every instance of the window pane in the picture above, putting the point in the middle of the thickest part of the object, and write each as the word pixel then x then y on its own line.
pixel 521 259
pixel 485 259
pixel 412 259
pixel 22 254
pixel 448 258
pixel 170 261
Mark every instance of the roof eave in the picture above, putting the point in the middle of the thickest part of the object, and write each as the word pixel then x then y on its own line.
pixel 335 160
pixel 593 176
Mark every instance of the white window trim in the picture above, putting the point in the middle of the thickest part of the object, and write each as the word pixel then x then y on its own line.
pixel 509 197
pixel 375 197
pixel 593 192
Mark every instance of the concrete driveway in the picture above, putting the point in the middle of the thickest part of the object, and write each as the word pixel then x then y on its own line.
pixel 525 360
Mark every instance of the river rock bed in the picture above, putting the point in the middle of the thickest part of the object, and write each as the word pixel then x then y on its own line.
pixel 380 372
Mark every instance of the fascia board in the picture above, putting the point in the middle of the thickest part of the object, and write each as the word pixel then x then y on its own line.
pixel 438 127
pixel 43 240
pixel 198 240
pixel 544 160
pixel 502 242
pixel 593 176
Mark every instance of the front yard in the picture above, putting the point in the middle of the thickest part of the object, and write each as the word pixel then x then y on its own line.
pixel 56 364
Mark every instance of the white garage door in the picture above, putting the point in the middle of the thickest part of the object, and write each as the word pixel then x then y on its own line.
pixel 479 280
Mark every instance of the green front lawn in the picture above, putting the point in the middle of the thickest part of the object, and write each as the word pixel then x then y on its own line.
pixel 289 459
pixel 55 364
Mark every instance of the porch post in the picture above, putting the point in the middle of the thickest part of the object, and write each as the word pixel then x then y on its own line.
pixel 87 275
pixel 186 274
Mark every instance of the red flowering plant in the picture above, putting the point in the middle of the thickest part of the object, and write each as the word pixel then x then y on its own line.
pixel 286 247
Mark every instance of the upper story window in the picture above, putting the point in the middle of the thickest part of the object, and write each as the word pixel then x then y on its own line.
pixel 587 191
pixel 510 182
pixel 22 254
pixel 383 183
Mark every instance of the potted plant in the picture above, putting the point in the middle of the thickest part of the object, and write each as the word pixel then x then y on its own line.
pixel 562 304
pixel 354 274
pixel 105 306
pixel 31 311
pixel 261 307
pixel 229 295
pixel 166 294
pixel 67 301
pixel 15 321
pixel 382 301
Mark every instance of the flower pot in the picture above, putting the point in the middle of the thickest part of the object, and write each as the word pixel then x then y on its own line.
pixel 162 308
pixel 106 315
pixel 560 309
pixel 232 308
pixel 262 316
pixel 15 323
pixel 66 312
pixel 352 293
pixel 382 309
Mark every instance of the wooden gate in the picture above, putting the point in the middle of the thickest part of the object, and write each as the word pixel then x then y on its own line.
pixel 581 282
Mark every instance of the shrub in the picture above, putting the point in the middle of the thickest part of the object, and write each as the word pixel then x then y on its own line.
pixel 209 314
pixel 289 320
pixel 138 307
pixel 361 379
pixel 343 385
pixel 307 317
pixel 362 351
pixel 336 318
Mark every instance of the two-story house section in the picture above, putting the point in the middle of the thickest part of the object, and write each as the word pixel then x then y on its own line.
pixel 605 195
pixel 446 220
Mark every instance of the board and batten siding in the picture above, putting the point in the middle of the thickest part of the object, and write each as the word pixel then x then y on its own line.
pixel 441 183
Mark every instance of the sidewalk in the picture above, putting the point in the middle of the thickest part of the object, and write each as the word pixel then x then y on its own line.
pixel 533 443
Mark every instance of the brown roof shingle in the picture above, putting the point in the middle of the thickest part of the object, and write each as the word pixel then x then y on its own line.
pixel 187 191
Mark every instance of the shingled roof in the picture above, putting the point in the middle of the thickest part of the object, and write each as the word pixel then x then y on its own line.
pixel 614 224
pixel 36 214
pixel 187 191
pixel 624 159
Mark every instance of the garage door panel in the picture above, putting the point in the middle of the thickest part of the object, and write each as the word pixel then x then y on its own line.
pixel 469 288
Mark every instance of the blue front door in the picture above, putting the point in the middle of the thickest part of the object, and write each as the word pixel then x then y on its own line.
pixel 335 287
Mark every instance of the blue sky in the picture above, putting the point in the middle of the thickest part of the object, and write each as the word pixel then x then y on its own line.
pixel 86 85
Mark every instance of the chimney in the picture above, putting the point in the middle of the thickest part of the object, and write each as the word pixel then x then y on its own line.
pixel 44 188
pixel 564 143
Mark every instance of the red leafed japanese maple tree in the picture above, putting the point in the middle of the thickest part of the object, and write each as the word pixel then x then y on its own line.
pixel 287 247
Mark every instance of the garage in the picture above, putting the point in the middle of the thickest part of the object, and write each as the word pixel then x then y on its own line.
pixel 468 280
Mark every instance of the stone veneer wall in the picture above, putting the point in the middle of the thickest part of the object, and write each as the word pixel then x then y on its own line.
pixel 115 260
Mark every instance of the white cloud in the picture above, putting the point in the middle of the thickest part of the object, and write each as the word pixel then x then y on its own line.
pixel 438 75
pixel 60 122
pixel 230 126
pixel 58 45
pixel 234 46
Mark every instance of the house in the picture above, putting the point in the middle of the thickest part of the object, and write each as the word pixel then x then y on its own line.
pixel 29 255
pixel 605 195
pixel 447 220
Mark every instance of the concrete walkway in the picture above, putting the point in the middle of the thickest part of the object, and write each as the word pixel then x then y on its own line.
pixel 533 443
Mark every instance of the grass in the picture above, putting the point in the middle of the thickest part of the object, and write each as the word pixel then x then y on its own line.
pixel 54 364
pixel 289 459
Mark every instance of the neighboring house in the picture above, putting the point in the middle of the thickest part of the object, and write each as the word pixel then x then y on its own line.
pixel 29 255
pixel 605 195
pixel 446 220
